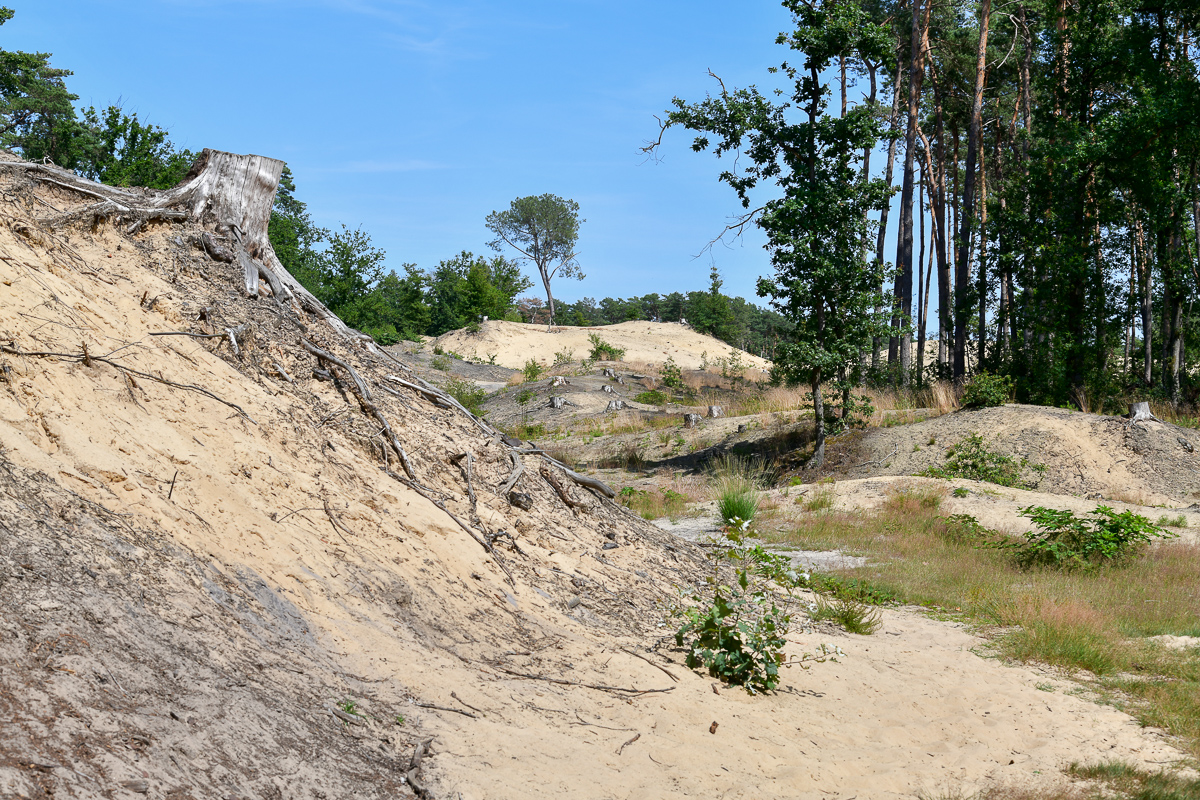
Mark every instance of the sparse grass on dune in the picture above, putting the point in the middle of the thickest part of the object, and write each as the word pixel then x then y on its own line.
pixel 1096 620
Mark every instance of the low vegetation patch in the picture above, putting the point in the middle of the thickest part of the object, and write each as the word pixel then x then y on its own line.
pixel 469 393
pixel 652 397
pixel 1094 621
pixel 1065 541
pixel 986 391
pixel 603 351
pixel 971 458
pixel 653 504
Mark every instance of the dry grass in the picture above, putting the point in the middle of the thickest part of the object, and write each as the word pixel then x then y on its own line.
pixel 1094 623
pixel 1134 497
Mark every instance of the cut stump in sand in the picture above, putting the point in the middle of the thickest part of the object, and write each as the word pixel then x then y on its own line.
pixel 558 402
pixel 615 405
pixel 691 420
pixel 1140 412
pixel 715 411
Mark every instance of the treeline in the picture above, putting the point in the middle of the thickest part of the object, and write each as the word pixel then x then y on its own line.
pixel 345 272
pixel 1050 150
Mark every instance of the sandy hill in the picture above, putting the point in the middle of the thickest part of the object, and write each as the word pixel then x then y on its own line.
pixel 514 343
pixel 244 553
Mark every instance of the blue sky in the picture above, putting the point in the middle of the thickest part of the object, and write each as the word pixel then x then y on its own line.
pixel 417 119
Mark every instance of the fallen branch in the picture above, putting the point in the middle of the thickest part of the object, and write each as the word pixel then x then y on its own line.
pixel 651 663
pixel 366 401
pixel 561 490
pixel 517 472
pixel 636 736
pixel 446 708
pixel 416 487
pixel 81 357
pixel 878 461
pixel 564 682
pixel 338 525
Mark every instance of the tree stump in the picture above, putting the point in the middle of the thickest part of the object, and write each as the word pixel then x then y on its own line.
pixel 607 388
pixel 558 402
pixel 559 380
pixel 715 411
pixel 743 427
pixel 609 372
pixel 691 420
pixel 615 405
pixel 1140 412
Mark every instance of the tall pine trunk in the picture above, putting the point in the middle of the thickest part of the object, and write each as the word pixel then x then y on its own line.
pixel 876 342
pixel 962 300
pixel 904 247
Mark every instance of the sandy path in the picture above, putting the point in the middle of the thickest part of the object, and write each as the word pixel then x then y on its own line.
pixel 911 709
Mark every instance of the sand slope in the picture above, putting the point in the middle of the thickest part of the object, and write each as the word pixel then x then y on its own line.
pixel 192 594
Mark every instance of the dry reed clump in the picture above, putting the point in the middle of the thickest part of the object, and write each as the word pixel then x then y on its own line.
pixel 1134 497
pixel 940 397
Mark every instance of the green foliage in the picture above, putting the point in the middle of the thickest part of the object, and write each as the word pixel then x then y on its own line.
pixel 970 458
pixel 533 370
pixel 1064 541
pixel 563 356
pixel 671 375
pixel 543 229
pixel 737 503
pixel 738 484
pixel 1177 521
pixel 349 706
pixel 986 390
pixel 652 398
pixel 465 289
pixel 961 491
pixel 440 363
pixel 855 616
pixel 653 504
pixel 525 395
pixel 738 631
pixel 469 393
pixel 817 215
pixel 602 350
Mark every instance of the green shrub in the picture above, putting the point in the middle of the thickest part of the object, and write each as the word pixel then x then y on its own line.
pixel 671 375
pixel 738 486
pixel 473 327
pixel 1178 521
pixel 970 458
pixel 438 351
pixel 525 395
pixel 533 370
pixel 469 393
pixel 564 356
pixel 986 390
pixel 1064 541
pixel 855 616
pixel 603 351
pixel 652 398
pixel 440 363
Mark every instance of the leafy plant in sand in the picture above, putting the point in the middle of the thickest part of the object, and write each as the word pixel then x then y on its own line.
pixel 1065 541
pixel 970 458
pixel 738 630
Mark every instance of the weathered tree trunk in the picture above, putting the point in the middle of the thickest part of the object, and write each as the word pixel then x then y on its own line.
pixel 904 246
pixel 967 212
pixel 876 342
pixel 236 193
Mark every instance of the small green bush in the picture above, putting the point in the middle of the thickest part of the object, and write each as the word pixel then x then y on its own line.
pixel 1178 521
pixel 1065 541
pixel 473 327
pixel 533 370
pixel 525 395
pixel 564 356
pixel 652 398
pixel 440 363
pixel 855 616
pixel 603 351
pixel 970 458
pixel 438 350
pixel 986 390
pixel 671 375
pixel 469 393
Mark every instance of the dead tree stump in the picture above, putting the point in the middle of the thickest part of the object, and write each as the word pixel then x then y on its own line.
pixel 691 420
pixel 607 388
pixel 1140 412
pixel 559 380
pixel 609 372
pixel 558 402
pixel 615 405
pixel 715 411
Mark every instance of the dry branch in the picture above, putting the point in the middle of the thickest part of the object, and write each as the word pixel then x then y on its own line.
pixel 517 471
pixel 564 682
pixel 81 357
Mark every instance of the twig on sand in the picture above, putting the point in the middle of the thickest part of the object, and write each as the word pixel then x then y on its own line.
pixel 564 682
